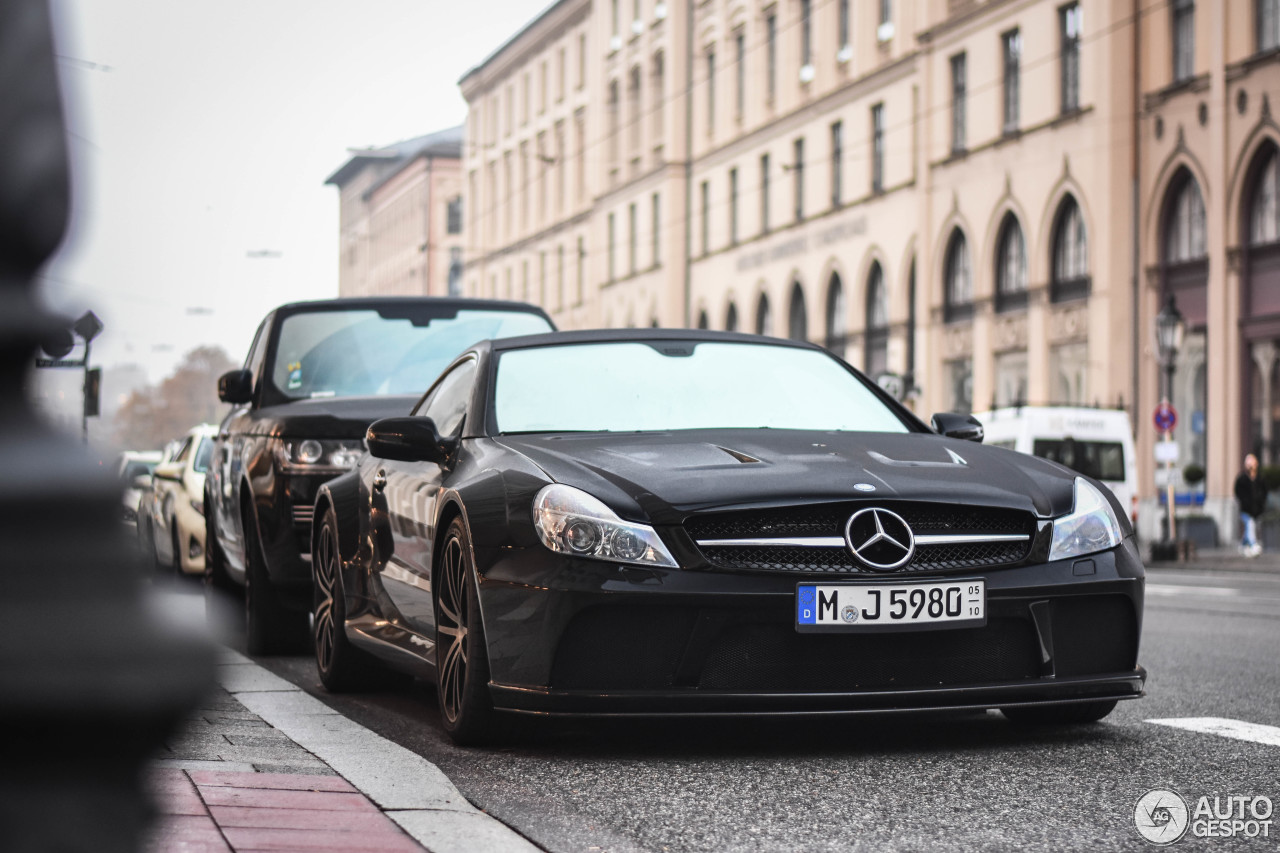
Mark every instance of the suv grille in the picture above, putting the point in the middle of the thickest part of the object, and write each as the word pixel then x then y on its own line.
pixel 828 521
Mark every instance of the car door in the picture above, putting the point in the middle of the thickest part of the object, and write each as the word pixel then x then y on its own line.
pixel 167 492
pixel 225 470
pixel 412 491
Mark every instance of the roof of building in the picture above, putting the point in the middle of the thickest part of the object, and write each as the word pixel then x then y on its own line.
pixel 442 143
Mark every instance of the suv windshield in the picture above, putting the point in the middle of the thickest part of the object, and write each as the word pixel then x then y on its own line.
pixel 630 387
pixel 363 352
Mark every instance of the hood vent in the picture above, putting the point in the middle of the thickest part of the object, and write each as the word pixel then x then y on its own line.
pixel 739 455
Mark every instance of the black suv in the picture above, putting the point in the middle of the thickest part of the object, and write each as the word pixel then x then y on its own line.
pixel 317 375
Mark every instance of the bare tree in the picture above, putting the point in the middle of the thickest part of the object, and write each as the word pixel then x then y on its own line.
pixel 187 397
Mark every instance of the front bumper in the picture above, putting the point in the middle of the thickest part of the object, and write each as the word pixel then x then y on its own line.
pixel 580 637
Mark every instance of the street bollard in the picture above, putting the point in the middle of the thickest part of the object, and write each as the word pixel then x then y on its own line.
pixel 93 676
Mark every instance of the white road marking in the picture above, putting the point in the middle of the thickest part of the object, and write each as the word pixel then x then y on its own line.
pixel 1236 729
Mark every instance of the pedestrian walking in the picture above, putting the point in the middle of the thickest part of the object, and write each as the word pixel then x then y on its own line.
pixel 1251 494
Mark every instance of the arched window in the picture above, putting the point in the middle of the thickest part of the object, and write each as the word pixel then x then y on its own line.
pixel 731 318
pixel 1264 209
pixel 797 319
pixel 836 329
pixel 876 357
pixel 764 320
pixel 1011 266
pixel 1184 233
pixel 1069 278
pixel 703 322
pixel 958 278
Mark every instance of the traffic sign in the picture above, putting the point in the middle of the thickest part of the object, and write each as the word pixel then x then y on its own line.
pixel 1166 417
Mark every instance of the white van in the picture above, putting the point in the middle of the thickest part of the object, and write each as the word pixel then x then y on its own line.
pixel 1096 442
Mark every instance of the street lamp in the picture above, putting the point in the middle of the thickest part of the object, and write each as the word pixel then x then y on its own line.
pixel 1170 327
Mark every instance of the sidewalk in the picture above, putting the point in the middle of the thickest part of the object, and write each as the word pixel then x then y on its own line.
pixel 264 766
pixel 1221 559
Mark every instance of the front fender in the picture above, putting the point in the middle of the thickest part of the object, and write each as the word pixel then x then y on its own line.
pixel 342 494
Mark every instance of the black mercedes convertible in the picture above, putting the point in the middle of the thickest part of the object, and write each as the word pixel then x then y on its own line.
pixel 676 522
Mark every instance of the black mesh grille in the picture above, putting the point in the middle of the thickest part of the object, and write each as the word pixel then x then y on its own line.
pixel 830 519
pixel 773 657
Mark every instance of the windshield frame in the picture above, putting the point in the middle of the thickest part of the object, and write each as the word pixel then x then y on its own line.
pixel 658 337
pixel 268 394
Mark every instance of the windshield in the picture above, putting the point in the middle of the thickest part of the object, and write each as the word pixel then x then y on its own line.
pixel 1101 460
pixel 362 353
pixel 203 454
pixel 630 387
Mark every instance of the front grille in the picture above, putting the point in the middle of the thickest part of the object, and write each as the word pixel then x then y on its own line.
pixel 828 520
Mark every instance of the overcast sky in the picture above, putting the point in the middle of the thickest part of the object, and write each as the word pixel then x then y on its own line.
pixel 203 130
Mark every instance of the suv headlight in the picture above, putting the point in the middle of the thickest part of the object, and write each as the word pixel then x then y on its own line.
pixel 327 453
pixel 1091 526
pixel 570 521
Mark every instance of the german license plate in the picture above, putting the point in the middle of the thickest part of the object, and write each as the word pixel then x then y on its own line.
pixel 889 607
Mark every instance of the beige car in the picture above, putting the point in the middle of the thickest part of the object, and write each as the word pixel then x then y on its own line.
pixel 173 517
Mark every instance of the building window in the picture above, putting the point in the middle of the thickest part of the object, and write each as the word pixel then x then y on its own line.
pixel 877 148
pixel 1070 274
pixel 960 382
pixel 837 163
pixel 1184 236
pixel 1011 379
pixel 771 41
pixel 562 59
pixel 764 318
pixel 659 87
pixel 1011 266
pixel 657 231
pixel 582 60
pixel 633 238
pixel 764 193
pixel 842 29
pixel 560 276
pixel 731 318
pixel 876 357
pixel 542 278
pixel 542 87
pixel 615 121
pixel 1069 367
pixel 1268 24
pixel 1264 222
pixel 613 270
pixel 453 215
pixel 1184 40
pixel 615 21
pixel 636 118
pixel 797 316
pixel 733 206
pixel 455 271
pixel 886 12
pixel 711 92
pixel 959 279
pixel 740 43
pixel 836 331
pixel 705 195
pixel 582 271
pixel 1071 23
pixel 1012 43
pixel 806 36
pixel 703 321
pixel 797 167
pixel 957 103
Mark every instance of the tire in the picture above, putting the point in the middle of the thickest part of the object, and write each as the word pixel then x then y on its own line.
pixel 1075 713
pixel 269 627
pixel 462 662
pixel 343 668
pixel 177 555
pixel 219 589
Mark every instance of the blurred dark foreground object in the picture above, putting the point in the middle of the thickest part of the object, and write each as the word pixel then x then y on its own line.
pixel 92 674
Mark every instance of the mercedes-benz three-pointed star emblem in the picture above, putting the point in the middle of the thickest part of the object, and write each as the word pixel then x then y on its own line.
pixel 880 539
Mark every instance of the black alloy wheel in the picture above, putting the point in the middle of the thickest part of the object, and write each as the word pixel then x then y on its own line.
pixel 462 663
pixel 342 667
pixel 269 627
pixel 1075 713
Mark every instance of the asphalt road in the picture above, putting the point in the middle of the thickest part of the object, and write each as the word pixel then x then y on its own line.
pixel 941 782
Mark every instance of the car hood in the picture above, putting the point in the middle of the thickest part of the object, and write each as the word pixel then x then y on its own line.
pixel 334 417
pixel 663 477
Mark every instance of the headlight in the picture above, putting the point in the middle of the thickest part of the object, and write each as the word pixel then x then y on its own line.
pixel 1091 526
pixel 326 453
pixel 570 521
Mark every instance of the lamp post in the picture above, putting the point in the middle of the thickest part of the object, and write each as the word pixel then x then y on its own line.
pixel 1170 327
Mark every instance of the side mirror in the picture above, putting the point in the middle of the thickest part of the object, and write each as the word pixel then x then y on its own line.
pixel 952 425
pixel 407 439
pixel 235 386
pixel 141 482
pixel 168 471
